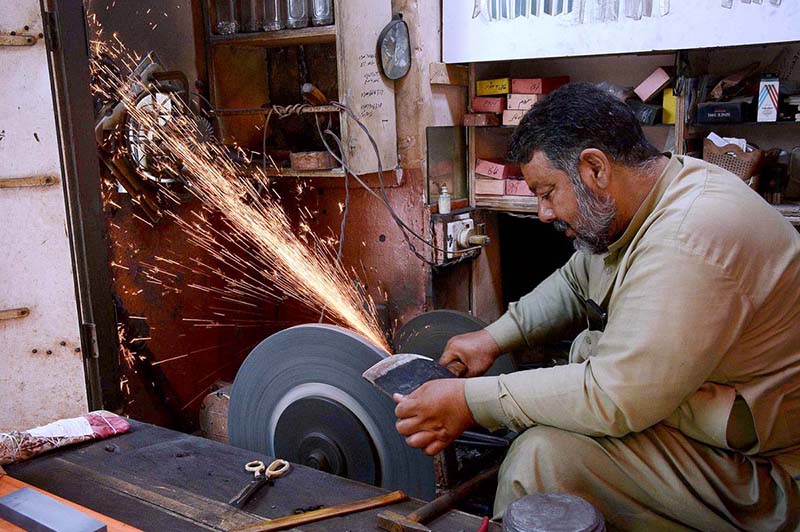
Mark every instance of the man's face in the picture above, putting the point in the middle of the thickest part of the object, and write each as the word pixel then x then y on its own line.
pixel 584 214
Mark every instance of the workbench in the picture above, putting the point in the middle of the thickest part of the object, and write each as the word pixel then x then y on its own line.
pixel 161 480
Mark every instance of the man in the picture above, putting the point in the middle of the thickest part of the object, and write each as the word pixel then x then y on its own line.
pixel 680 405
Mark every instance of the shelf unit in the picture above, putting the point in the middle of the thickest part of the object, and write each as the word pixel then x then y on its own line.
pixel 239 89
pixel 625 70
pixel 277 39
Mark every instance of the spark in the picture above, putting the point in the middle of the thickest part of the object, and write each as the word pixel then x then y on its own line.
pixel 258 241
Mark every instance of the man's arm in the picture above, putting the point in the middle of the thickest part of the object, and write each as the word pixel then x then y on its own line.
pixel 668 330
pixel 550 312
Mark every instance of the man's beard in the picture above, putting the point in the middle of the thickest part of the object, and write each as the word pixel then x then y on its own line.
pixel 596 215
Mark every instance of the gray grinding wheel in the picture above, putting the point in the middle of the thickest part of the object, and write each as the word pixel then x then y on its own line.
pixel 428 333
pixel 300 396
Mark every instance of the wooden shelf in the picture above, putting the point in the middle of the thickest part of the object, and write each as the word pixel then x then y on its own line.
pixel 524 204
pixel 743 124
pixel 288 172
pixel 265 110
pixel 276 39
pixel 791 211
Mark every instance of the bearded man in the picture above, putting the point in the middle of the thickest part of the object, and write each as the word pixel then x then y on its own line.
pixel 680 405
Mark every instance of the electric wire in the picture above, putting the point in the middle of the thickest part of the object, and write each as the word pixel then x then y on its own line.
pixel 405 229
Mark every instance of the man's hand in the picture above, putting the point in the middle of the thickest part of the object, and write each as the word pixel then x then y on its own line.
pixel 476 350
pixel 433 415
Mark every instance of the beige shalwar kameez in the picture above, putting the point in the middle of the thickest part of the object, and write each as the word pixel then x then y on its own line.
pixel 685 411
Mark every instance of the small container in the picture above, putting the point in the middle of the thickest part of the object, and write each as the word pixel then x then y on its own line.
pixel 274 15
pixel 321 12
pixel 444 200
pixel 227 21
pixel 252 15
pixel 296 14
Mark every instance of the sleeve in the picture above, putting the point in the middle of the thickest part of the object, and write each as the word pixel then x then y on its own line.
pixel 670 322
pixel 551 312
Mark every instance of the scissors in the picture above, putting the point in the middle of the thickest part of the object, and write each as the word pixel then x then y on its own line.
pixel 262 475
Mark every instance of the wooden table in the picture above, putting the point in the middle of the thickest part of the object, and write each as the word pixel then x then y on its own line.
pixel 161 480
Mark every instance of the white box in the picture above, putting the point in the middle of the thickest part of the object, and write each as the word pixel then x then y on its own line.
pixel 768 98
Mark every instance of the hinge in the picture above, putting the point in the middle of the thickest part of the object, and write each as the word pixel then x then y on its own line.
pixel 33 181
pixel 50 30
pixel 90 334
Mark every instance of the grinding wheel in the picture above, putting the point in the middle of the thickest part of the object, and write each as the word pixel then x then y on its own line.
pixel 428 334
pixel 300 396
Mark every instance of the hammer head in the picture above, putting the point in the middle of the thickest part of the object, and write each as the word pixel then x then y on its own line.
pixel 394 522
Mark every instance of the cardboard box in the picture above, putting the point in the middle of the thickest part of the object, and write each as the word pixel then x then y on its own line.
pixel 517 187
pixel 654 84
pixel 512 117
pixel 721 112
pixel 670 106
pixel 521 102
pixel 495 169
pixel 312 160
pixel 537 85
pixel 481 119
pixel 768 97
pixel 490 87
pixel 490 187
pixel 489 104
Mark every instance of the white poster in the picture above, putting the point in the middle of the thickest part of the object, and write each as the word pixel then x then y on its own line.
pixel 490 30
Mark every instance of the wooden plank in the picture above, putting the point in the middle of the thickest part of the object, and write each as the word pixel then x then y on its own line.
pixel 266 110
pixel 442 74
pixel 282 523
pixel 10 485
pixel 33 181
pixel 280 38
pixel 192 506
pixel 362 87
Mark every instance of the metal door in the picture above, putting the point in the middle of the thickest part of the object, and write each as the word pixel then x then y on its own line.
pixel 41 361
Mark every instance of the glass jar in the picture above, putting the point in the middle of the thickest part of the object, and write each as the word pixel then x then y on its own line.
pixel 227 22
pixel 252 15
pixel 296 13
pixel 321 12
pixel 275 15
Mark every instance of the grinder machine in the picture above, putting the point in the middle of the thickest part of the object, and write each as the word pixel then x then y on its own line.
pixel 300 396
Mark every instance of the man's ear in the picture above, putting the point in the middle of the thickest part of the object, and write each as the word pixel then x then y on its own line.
pixel 594 168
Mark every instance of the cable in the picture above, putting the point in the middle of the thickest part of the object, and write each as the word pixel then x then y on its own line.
pixel 405 229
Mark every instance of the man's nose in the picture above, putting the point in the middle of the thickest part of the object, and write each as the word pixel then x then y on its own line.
pixel 546 214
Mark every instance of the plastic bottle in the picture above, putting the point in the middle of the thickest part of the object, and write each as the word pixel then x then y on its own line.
pixel 444 200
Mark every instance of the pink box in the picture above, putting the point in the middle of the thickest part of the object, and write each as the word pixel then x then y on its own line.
pixel 521 102
pixel 495 169
pixel 512 117
pixel 517 187
pixel 537 85
pixel 653 85
pixel 489 104
pixel 490 187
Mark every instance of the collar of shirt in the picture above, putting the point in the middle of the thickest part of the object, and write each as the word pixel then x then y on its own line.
pixel 672 169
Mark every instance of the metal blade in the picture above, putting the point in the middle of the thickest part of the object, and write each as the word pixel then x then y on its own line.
pixel 647 8
pixel 665 7
pixel 476 9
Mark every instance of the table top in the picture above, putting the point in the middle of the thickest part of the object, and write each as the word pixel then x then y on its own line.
pixel 158 479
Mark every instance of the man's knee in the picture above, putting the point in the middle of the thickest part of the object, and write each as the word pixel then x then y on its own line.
pixel 544 459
